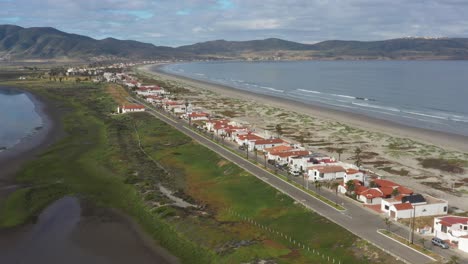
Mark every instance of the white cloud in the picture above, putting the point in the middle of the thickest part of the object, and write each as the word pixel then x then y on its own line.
pixel 254 24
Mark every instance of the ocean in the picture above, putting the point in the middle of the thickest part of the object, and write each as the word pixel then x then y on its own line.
pixel 18 118
pixel 425 94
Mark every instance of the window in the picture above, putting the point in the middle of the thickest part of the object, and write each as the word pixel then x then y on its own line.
pixel 445 208
pixel 387 207
pixel 465 228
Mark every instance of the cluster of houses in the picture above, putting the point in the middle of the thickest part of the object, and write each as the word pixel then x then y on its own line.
pixel 389 198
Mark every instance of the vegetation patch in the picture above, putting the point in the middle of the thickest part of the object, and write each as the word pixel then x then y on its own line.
pixel 447 165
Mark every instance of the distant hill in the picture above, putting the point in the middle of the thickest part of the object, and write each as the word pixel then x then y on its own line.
pixel 405 48
pixel 20 43
pixel 50 43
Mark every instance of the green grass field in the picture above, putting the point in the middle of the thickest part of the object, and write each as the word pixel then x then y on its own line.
pixel 240 218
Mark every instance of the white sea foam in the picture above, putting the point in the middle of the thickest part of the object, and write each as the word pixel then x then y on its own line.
pixel 309 91
pixel 344 96
pixel 271 89
pixel 377 107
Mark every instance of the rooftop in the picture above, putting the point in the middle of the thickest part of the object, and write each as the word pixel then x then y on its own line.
pixel 328 169
pixel 403 206
pixel 451 220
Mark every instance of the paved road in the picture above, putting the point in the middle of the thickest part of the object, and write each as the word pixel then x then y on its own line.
pixel 361 222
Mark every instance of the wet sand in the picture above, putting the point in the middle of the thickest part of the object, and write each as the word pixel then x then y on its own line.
pixel 72 232
pixel 441 139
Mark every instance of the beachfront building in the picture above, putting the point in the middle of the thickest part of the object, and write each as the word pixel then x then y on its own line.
pixel 150 90
pixel 246 139
pixel 325 173
pixel 267 143
pixel 283 157
pixel 454 229
pixel 154 99
pixel 129 108
pixel 353 174
pixel 421 205
pixel 200 116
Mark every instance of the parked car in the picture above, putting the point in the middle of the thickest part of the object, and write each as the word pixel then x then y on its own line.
pixel 439 242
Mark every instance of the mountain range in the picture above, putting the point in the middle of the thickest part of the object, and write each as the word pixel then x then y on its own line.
pixel 46 43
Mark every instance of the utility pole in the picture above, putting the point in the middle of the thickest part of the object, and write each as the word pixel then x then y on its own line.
pixel 412 227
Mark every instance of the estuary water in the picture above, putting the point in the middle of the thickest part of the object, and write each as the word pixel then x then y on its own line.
pixel 425 94
pixel 18 118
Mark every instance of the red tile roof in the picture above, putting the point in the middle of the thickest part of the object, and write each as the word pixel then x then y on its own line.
pixel 358 189
pixel 386 190
pixel 372 193
pixel 249 137
pixel 351 171
pixel 451 220
pixel 385 183
pixel 403 206
pixel 404 190
pixel 133 106
pixel 295 153
pixel 269 141
pixel 281 148
pixel 192 115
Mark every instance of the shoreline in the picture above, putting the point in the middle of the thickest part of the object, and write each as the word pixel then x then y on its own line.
pixel 30 146
pixel 431 137
pixel 12 159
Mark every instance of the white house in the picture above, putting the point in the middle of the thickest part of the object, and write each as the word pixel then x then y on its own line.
pixel 197 116
pixel 401 210
pixel 353 174
pixel 130 108
pixel 421 206
pixel 454 229
pixel 267 143
pixel 325 173
pixel 246 139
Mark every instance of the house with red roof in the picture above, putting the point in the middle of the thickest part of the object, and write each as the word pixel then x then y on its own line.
pixel 283 157
pixel 150 90
pixel 401 210
pixel 370 196
pixel 325 172
pixel 198 116
pixel 154 99
pixel 422 205
pixel 129 108
pixel 353 174
pixel 246 139
pixel 267 143
pixel 454 229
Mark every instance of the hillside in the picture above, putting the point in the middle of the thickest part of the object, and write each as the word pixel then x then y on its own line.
pixel 17 43
pixel 50 43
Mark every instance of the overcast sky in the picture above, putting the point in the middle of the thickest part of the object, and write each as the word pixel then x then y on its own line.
pixel 174 23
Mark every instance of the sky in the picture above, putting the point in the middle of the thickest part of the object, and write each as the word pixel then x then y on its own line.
pixel 175 23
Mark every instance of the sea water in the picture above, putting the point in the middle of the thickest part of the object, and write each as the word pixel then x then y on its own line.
pixel 426 94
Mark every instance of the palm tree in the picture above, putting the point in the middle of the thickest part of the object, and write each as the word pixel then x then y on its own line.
pixel 387 222
pixel 350 186
pixel 357 153
pixel 395 192
pixel 279 130
pixel 422 240
pixel 335 186
pixel 339 151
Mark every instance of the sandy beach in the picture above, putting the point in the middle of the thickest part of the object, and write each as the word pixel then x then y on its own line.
pixel 326 130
